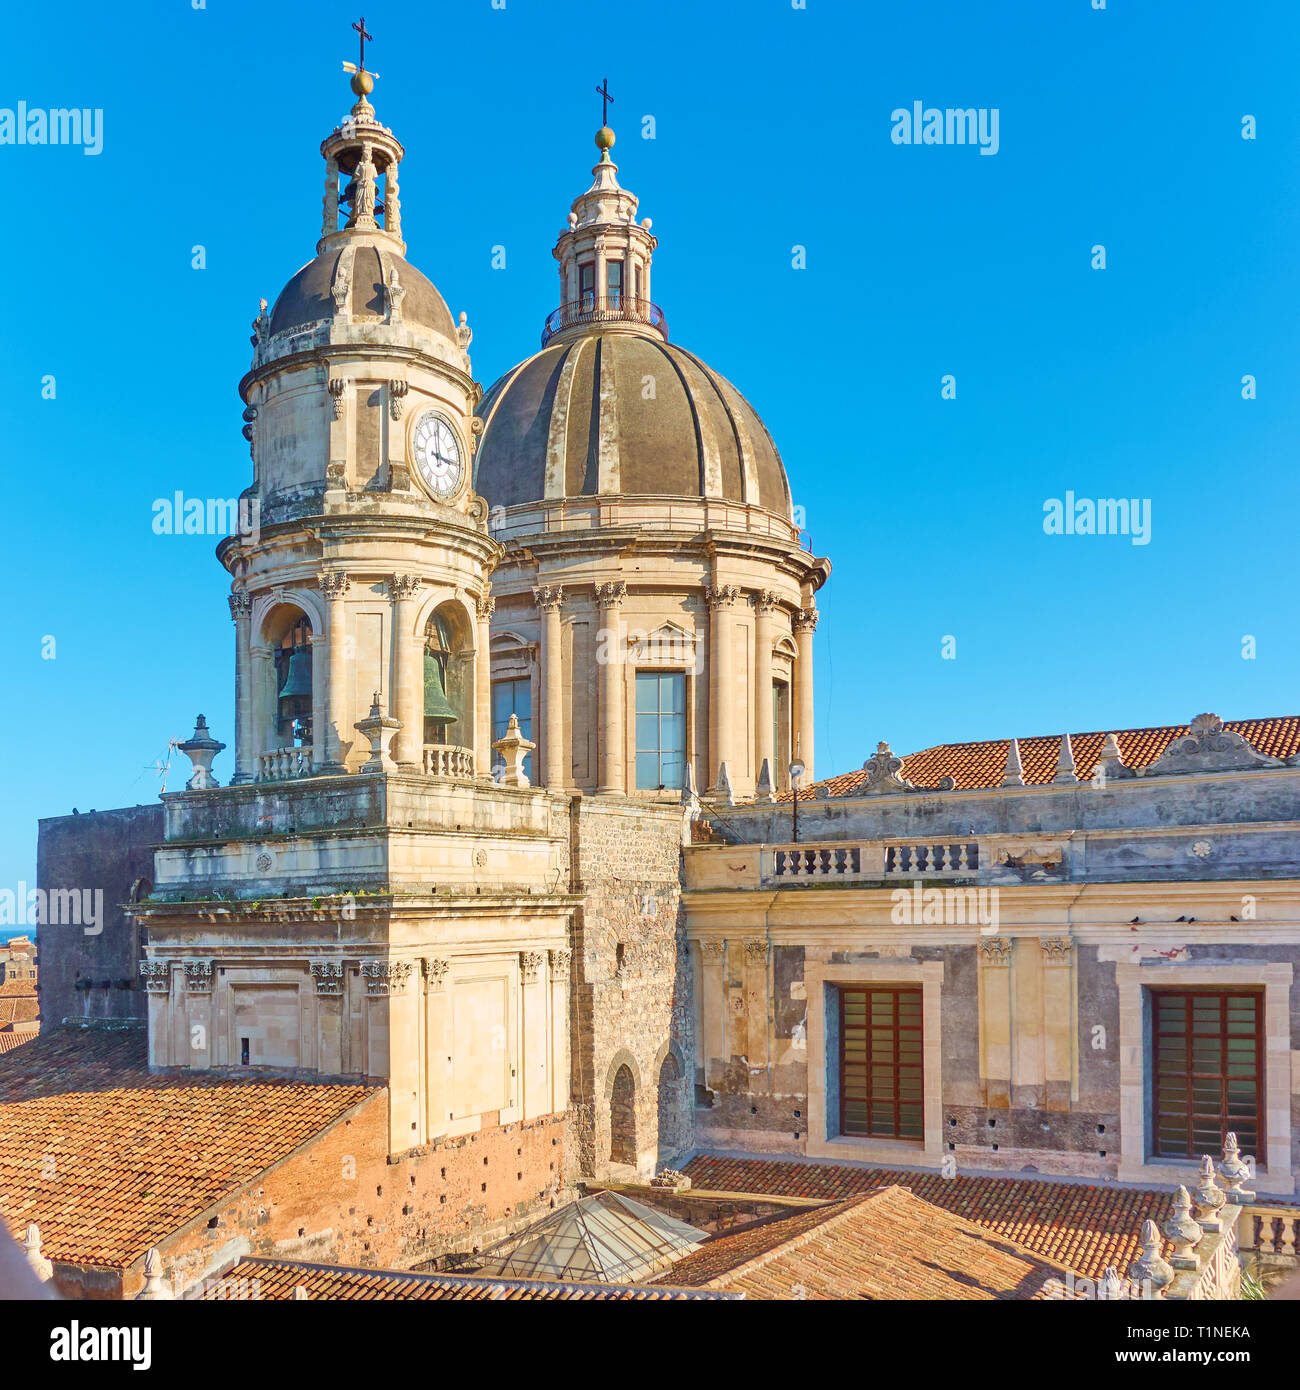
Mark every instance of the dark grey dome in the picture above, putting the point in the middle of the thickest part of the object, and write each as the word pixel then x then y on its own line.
pixel 307 299
pixel 692 435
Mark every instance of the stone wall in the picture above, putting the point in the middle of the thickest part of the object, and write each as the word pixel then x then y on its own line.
pixel 112 852
pixel 631 988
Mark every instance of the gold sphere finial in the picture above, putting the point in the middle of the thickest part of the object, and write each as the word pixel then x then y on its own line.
pixel 604 139
pixel 362 83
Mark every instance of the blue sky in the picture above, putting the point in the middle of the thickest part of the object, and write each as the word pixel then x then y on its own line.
pixel 1120 127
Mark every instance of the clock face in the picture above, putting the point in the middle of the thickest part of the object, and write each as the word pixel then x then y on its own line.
pixel 437 454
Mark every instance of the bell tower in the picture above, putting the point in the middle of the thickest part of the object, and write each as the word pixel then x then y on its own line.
pixel 362 578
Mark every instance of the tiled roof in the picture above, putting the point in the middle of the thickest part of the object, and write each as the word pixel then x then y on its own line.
pixel 1080 1225
pixel 18 1002
pixel 887 1244
pixel 277 1279
pixel 108 1159
pixel 13 1038
pixel 974 765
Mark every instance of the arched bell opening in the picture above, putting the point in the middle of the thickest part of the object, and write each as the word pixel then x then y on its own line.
pixel 288 679
pixel 448 693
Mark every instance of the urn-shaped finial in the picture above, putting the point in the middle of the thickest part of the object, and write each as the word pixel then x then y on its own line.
pixel 1149 1271
pixel 1232 1170
pixel 1182 1230
pixel 1209 1195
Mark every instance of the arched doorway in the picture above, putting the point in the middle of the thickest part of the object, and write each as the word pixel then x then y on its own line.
pixel 622 1117
pixel 672 1109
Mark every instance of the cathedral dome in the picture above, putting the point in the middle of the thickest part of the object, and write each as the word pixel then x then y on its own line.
pixel 308 297
pixel 623 412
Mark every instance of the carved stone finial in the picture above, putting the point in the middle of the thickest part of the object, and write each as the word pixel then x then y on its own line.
pixel 723 792
pixel 1232 1170
pixel 1209 1196
pixel 156 1286
pixel 464 333
pixel 200 748
pixel 1110 761
pixel 1149 1270
pixel 514 748
pixel 1013 774
pixel 690 794
pixel 1183 1231
pixel 763 790
pixel 379 728
pixel 1110 1288
pixel 1065 768
pixel 40 1266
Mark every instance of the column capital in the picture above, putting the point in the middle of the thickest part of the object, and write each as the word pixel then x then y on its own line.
pixel 995 950
pixel 560 962
pixel 435 973
pixel 530 962
pixel 805 620
pixel 198 976
pixel 403 586
pixel 385 976
pixel 722 596
pixel 333 583
pixel 611 594
pixel 549 596
pixel 1056 950
pixel 157 975
pixel 485 605
pixel 327 975
pixel 241 604
pixel 765 602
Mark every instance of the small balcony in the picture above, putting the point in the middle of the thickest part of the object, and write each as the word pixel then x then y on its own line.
pixel 282 764
pixel 448 761
pixel 607 309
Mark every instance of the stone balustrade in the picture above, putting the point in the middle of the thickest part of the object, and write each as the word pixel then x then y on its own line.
pixel 447 760
pixel 282 764
pixel 848 861
pixel 1272 1233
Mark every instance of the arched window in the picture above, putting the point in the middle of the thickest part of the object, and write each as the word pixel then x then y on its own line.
pixel 622 1118
pixel 293 685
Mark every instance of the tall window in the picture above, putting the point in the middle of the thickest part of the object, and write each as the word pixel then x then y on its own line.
pixel 513 697
pixel 780 732
pixel 880 1062
pixel 587 284
pixel 614 278
pixel 660 729
pixel 1209 1070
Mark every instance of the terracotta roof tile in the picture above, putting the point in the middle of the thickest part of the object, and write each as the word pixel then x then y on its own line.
pixel 108 1159
pixel 886 1244
pixel 277 1279
pixel 12 1038
pixel 1078 1225
pixel 978 765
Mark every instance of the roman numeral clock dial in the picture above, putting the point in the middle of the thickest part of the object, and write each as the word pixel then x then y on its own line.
pixel 437 452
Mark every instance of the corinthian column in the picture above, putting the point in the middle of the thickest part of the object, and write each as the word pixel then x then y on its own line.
pixel 334 588
pixel 554 759
pixel 805 624
pixel 241 608
pixel 764 722
pixel 407 703
pixel 610 598
pixel 485 607
pixel 722 602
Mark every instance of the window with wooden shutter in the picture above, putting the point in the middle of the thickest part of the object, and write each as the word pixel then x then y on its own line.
pixel 880 1062
pixel 1208 1070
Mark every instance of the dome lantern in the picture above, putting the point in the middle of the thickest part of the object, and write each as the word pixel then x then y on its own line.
pixel 604 255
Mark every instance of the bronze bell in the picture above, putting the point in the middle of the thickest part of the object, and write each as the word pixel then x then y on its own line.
pixel 436 704
pixel 297 678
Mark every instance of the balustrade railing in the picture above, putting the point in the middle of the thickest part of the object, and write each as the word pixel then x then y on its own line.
pixel 447 760
pixel 843 861
pixel 605 309
pixel 280 764
pixel 1270 1231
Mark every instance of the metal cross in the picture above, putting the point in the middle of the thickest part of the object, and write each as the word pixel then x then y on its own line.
pixel 603 93
pixel 360 27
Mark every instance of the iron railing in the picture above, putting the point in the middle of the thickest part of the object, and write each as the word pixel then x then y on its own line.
pixel 607 309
